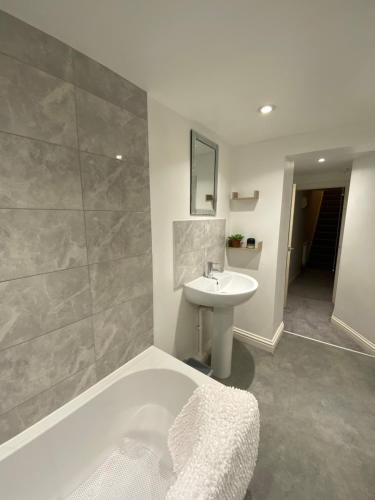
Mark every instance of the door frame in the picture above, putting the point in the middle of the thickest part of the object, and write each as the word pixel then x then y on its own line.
pixel 290 240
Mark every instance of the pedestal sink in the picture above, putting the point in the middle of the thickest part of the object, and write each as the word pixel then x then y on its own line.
pixel 221 292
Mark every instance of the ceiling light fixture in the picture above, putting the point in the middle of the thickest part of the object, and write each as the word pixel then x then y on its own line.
pixel 266 109
pixel 321 160
pixel 118 157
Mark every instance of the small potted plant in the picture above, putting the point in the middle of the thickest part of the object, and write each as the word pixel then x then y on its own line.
pixel 235 240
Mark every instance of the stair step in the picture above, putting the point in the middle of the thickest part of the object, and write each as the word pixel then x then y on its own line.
pixel 325 235
pixel 323 248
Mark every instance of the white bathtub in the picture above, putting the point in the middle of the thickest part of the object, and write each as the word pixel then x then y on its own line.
pixel 141 399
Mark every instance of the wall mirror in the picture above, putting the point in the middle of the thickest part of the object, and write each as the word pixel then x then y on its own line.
pixel 203 175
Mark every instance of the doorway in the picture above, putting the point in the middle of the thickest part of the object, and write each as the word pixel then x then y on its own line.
pixel 315 241
pixel 314 250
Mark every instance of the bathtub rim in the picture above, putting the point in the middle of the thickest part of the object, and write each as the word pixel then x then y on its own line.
pixel 151 358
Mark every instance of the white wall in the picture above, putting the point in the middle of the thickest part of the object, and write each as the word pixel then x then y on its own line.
pixel 260 166
pixel 169 145
pixel 355 293
pixel 262 222
pixel 339 249
pixel 263 166
pixel 322 180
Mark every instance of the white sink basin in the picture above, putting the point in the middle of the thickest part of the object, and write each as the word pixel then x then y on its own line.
pixel 228 289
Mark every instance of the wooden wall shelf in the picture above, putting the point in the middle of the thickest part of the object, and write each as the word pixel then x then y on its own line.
pixel 258 247
pixel 236 197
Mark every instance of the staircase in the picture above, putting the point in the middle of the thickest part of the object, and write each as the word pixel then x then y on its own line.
pixel 323 250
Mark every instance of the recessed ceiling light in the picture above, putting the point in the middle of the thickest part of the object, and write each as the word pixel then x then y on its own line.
pixel 118 157
pixel 321 160
pixel 267 108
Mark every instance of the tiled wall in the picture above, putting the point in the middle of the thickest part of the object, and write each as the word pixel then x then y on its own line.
pixel 75 235
pixel 195 243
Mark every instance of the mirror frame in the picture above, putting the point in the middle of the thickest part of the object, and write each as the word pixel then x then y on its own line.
pixel 194 136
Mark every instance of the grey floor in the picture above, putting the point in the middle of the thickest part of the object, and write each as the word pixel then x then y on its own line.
pixel 309 309
pixel 317 407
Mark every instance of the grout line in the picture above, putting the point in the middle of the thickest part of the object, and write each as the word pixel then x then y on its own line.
pixel 42 274
pixel 116 105
pixel 117 259
pixel 30 65
pixel 3 349
pixel 84 214
pixel 48 389
pixel 77 267
pixel 330 345
pixel 118 304
pixel 71 148
pixel 65 325
pixel 80 174
pixel 73 81
pixel 123 343
pixel 101 155
pixel 43 209
pixel 116 210
pixel 37 139
pixel 112 102
pixel 76 210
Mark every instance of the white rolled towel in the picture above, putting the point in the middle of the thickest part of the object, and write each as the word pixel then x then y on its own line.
pixel 214 444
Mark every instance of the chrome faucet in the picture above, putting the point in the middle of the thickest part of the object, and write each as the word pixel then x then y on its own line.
pixel 210 268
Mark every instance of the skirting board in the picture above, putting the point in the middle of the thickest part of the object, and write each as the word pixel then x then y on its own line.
pixel 268 345
pixel 357 337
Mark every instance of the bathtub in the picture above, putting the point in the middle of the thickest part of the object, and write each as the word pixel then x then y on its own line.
pixel 140 400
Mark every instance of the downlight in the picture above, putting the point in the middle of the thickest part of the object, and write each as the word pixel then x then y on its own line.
pixel 266 109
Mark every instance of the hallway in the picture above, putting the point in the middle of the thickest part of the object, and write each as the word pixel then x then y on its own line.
pixel 309 309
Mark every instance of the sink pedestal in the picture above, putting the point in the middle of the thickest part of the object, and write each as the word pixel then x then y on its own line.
pixel 222 341
pixel 222 291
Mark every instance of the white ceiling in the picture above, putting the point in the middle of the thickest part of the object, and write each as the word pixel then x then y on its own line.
pixel 217 61
pixel 337 160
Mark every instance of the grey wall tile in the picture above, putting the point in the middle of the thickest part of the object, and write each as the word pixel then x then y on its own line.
pixel 188 266
pixel 48 292
pixel 39 304
pixel 113 235
pixel 34 174
pixel 37 407
pixel 32 367
pixel 117 357
pixel 215 232
pixel 101 81
pixel 118 281
pixel 10 425
pixel 38 241
pixel 29 45
pixel 122 323
pixel 48 401
pixel 109 130
pixel 189 235
pixel 215 254
pixel 35 104
pixel 196 242
pixel 110 184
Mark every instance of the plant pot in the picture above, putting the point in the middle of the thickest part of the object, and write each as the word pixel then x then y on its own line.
pixel 236 243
